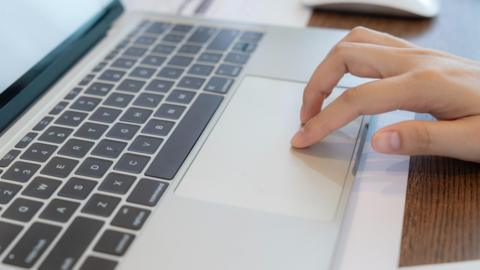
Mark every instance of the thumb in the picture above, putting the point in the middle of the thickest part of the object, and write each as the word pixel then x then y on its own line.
pixel 445 138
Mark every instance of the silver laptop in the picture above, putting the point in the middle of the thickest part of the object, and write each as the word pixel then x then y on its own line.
pixel 147 141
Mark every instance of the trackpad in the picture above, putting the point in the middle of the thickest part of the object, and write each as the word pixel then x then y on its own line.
pixel 247 160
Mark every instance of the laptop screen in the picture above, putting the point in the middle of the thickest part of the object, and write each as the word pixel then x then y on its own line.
pixel 31 29
pixel 40 41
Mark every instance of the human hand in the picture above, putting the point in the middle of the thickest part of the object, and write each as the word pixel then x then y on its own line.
pixel 410 78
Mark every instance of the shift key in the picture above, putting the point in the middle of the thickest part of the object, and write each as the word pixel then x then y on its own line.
pixel 32 245
pixel 72 244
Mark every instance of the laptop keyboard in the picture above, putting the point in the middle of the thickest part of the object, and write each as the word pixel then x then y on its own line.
pixel 78 187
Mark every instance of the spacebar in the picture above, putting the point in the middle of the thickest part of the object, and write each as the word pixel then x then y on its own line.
pixel 181 141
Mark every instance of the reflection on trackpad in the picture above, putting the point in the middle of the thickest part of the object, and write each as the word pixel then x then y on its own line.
pixel 247 160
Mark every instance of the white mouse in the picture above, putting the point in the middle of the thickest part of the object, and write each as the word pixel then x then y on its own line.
pixel 411 8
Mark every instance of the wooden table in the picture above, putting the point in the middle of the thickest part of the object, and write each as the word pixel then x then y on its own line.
pixel 442 210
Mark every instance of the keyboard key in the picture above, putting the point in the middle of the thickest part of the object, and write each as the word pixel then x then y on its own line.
pixel 114 242
pixel 218 85
pixel 39 152
pixel 96 263
pixel 109 148
pixel 86 80
pixel 91 130
pixel 244 47
pixel 142 72
pixel 210 57
pixel 157 28
pixel 8 233
pixel 99 89
pixel 237 58
pixel 73 93
pixel 118 100
pixel 32 245
pixel 55 134
pixel 181 96
pixel 200 70
pixel 72 244
pixel 173 38
pixel 59 167
pixel 22 209
pixel 202 34
pixel 59 210
pixel 145 145
pixel 153 60
pixel 170 72
pixel 163 49
pixel 136 115
pixel 148 100
pixel 222 41
pixel 191 82
pixel 130 85
pixel 130 217
pixel 228 70
pixel 158 127
pixel 20 171
pixel 117 183
pixel 170 111
pixel 94 167
pixel 77 188
pixel 183 28
pixel 190 49
pixel 123 131
pixel 160 86
pixel 26 140
pixel 41 187
pixel 126 63
pixel 101 205
pixel 105 115
pixel 71 118
pixel 135 52
pixel 112 75
pixel 43 123
pixel 9 158
pixel 76 148
pixel 176 149
pixel 99 67
pixel 59 108
pixel 145 40
pixel 251 36
pixel 131 163
pixel 7 192
pixel 85 104
pixel 147 192
pixel 181 61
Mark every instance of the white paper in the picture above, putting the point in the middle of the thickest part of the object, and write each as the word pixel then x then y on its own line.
pixel 277 12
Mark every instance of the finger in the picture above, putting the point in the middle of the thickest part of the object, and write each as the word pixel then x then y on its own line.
pixel 364 60
pixel 370 98
pixel 456 139
pixel 361 34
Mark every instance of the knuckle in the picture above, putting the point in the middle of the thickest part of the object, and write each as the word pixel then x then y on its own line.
pixel 358 32
pixel 426 74
pixel 349 96
pixel 341 47
pixel 423 138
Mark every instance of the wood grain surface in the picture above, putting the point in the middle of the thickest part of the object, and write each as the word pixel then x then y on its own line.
pixel 442 210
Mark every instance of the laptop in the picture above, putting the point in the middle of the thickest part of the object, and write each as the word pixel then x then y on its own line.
pixel 148 141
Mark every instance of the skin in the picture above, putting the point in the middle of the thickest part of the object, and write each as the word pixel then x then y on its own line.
pixel 409 78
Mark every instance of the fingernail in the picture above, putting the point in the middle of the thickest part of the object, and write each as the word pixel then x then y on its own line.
pixel 387 141
pixel 298 137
